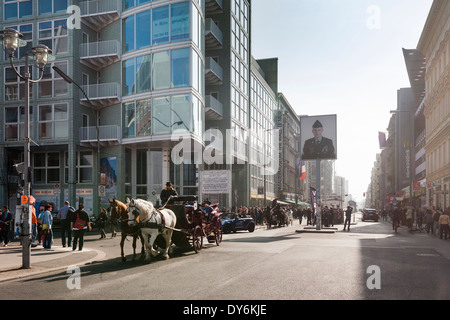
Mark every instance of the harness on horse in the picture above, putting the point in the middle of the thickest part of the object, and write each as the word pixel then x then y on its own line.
pixel 154 225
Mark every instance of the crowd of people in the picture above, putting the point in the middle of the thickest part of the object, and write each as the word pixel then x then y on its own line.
pixel 74 225
pixel 433 220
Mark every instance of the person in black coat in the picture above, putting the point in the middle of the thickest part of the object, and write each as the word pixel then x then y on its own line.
pixel 5 221
pixel 167 192
pixel 348 217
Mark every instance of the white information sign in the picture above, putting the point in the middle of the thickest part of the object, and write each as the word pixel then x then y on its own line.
pixel 215 182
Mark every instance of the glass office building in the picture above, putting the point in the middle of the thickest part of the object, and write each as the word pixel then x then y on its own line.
pixel 148 70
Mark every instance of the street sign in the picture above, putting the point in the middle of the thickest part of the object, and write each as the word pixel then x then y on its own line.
pixel 101 191
pixel 23 199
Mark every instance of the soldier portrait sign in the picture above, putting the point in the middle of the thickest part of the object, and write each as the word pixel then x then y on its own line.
pixel 319 137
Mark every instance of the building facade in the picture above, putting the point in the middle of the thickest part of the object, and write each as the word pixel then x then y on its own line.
pixel 155 76
pixel 434 44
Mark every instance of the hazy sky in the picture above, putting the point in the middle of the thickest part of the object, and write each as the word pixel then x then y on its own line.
pixel 342 57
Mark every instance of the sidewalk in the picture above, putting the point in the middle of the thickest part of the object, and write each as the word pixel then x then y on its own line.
pixel 42 261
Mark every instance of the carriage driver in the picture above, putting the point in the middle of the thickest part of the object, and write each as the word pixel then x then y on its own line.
pixel 167 192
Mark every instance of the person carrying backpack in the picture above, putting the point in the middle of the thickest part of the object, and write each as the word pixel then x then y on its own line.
pixel 80 224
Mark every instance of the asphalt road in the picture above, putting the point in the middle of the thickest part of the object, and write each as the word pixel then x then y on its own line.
pixel 370 262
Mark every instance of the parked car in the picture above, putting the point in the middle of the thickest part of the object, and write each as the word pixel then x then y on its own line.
pixel 370 214
pixel 232 222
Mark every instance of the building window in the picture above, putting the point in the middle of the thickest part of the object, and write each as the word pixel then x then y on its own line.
pixel 14 123
pixel 52 84
pixel 52 6
pixel 161 70
pixel 161 116
pixel 18 9
pixel 180 67
pixel 143 66
pixel 160 25
pixel 15 86
pixel 179 21
pixel 46 167
pixel 143 36
pixel 84 165
pixel 53 34
pixel 128 4
pixel 53 121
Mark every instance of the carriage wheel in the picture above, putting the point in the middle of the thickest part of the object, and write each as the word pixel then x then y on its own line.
pixel 197 239
pixel 218 232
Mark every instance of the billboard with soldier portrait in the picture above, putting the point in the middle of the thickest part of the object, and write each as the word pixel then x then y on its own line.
pixel 319 137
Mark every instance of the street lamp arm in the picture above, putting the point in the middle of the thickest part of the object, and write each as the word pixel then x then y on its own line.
pixel 41 70
pixel 70 81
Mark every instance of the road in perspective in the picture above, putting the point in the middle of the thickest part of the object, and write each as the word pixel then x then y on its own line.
pixel 370 261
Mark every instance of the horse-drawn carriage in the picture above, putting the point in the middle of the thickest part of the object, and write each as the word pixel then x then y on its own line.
pixel 193 223
pixel 180 221
pixel 277 216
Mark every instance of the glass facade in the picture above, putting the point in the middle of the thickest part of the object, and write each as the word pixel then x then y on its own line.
pixel 160 25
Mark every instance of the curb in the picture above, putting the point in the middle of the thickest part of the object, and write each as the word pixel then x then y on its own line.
pixel 16 273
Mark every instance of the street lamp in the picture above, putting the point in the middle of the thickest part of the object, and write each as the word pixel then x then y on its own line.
pixel 12 40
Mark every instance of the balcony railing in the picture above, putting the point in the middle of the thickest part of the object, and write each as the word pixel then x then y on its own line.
pixel 213 72
pixel 100 13
pixel 213 35
pixel 102 95
pixel 107 134
pixel 98 55
pixel 213 108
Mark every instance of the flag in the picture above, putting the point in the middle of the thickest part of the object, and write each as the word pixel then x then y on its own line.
pixel 382 139
pixel 302 174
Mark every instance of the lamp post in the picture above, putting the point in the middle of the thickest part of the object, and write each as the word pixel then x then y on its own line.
pixel 12 40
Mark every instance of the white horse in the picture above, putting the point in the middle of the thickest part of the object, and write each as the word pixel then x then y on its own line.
pixel 154 222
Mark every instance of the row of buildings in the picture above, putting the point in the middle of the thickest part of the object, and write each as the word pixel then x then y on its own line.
pixel 413 167
pixel 156 77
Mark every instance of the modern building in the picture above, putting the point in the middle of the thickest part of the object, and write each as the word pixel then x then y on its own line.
pixel 290 187
pixel 157 78
pixel 434 44
pixel 416 67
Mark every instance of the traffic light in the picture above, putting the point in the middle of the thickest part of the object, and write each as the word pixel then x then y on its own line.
pixel 364 194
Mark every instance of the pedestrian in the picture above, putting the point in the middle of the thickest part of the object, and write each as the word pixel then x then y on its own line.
pixel 101 223
pixel 348 217
pixel 80 224
pixel 308 216
pixel 429 221
pixel 396 217
pixel 332 215
pixel 409 218
pixel 436 216
pixel 112 223
pixel 40 235
pixel 65 224
pixel 5 222
pixel 34 232
pixel 444 221
pixel 47 221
